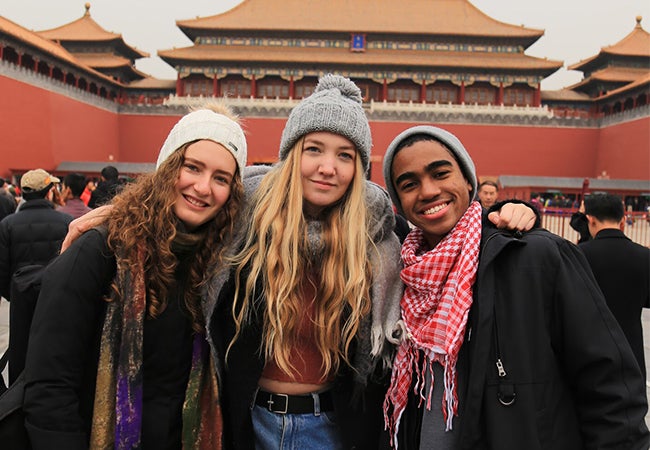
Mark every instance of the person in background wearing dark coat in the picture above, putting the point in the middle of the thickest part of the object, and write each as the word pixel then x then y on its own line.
pixel 118 355
pixel 31 236
pixel 621 267
pixel 509 342
pixel 580 224
pixel 7 200
pixel 73 186
pixel 106 188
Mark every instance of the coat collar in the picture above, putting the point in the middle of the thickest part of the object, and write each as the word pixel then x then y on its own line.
pixel 606 233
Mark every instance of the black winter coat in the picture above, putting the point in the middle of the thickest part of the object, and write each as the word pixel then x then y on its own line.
pixel 63 354
pixel 33 235
pixel 622 270
pixel 571 380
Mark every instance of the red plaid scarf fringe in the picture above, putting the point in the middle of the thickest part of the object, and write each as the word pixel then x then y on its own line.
pixel 435 307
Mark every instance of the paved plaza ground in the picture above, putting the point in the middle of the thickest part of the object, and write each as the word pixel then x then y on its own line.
pixel 4 337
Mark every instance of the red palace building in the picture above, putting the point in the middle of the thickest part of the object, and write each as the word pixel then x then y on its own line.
pixel 72 99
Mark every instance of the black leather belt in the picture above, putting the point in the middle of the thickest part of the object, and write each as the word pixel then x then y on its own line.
pixel 294 404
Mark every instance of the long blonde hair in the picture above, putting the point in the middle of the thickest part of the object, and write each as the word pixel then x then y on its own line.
pixel 142 224
pixel 276 253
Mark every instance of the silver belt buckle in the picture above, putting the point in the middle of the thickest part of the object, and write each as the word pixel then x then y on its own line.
pixel 271 402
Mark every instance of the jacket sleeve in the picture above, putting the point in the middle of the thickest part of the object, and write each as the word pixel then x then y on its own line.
pixel 62 345
pixel 608 388
pixel 5 263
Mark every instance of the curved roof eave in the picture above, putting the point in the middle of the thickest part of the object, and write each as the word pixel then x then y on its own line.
pixel 439 17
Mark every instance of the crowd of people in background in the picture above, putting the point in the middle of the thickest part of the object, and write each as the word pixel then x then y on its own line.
pixel 75 193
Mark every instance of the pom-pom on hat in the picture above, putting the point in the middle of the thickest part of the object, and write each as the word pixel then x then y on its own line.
pixel 334 106
pixel 210 125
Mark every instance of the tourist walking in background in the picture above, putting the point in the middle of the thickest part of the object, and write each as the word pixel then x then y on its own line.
pixel 106 189
pixel 73 186
pixel 621 267
pixel 30 237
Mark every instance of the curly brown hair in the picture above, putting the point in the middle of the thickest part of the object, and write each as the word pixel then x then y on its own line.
pixel 142 219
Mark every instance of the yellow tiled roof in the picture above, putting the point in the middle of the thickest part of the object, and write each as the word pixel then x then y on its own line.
pixel 103 60
pixel 636 43
pixel 639 82
pixel 153 83
pixel 403 58
pixel 33 39
pixel 439 17
pixel 614 75
pixel 86 29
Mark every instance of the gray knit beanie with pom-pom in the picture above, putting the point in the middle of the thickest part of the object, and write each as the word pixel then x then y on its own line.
pixel 335 106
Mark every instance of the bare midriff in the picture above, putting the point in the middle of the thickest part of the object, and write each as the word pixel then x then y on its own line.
pixel 291 388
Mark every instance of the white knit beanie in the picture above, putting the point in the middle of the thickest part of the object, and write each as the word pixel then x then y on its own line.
pixel 206 124
pixel 334 106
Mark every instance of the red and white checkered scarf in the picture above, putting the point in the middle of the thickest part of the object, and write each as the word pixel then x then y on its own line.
pixel 434 307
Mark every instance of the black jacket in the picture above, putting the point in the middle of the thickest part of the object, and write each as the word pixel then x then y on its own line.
pixel 63 353
pixel 33 235
pixel 569 372
pixel 104 193
pixel 358 408
pixel 622 270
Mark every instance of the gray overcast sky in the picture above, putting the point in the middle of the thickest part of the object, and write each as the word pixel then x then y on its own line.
pixel 575 29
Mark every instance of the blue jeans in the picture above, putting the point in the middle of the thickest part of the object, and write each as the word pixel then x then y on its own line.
pixel 275 431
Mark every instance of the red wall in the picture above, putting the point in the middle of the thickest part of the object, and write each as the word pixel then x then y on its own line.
pixel 624 150
pixel 42 129
pixel 512 150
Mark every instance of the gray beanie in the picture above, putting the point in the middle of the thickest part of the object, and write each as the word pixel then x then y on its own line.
pixel 452 144
pixel 334 106
pixel 210 125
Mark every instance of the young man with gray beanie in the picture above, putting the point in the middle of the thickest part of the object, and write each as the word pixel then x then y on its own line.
pixel 510 344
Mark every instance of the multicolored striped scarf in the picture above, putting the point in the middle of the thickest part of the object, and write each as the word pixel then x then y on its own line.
pixel 435 307
pixel 117 414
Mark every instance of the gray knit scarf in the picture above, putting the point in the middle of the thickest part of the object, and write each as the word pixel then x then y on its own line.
pixel 378 332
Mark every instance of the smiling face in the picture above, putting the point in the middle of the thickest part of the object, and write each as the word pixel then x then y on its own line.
pixel 204 182
pixel 431 187
pixel 327 167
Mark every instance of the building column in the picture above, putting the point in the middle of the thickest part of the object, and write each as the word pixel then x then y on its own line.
pixel 36 65
pixel 215 86
pixel 179 85
pixel 461 98
pixel 253 87
pixel 51 71
pixel 500 97
pixel 292 88
pixel 2 50
pixel 384 91
pixel 20 59
pixel 423 92
pixel 537 98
